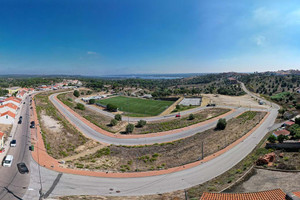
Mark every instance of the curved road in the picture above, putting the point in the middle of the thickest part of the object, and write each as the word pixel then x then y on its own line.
pixel 69 184
pixel 91 133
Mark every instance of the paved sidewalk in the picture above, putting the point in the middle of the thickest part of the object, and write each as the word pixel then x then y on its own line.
pixel 41 157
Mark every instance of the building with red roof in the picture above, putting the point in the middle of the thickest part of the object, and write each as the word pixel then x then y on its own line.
pixel 8 107
pixel 276 194
pixel 281 132
pixel 7 117
pixel 1 139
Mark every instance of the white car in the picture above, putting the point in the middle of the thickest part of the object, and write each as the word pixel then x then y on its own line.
pixel 8 161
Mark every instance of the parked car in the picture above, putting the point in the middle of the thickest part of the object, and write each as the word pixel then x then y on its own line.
pixel 20 117
pixel 13 143
pixel 32 125
pixel 22 168
pixel 178 115
pixel 8 161
pixel 24 103
pixel 20 121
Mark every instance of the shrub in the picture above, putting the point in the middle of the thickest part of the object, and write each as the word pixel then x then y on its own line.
pixel 92 101
pixel 297 120
pixel 113 122
pixel 178 107
pixel 281 138
pixel 76 93
pixel 129 128
pixel 69 99
pixel 111 107
pixel 80 106
pixel 298 106
pixel 221 125
pixel 141 123
pixel 272 139
pixel 191 117
pixel 118 117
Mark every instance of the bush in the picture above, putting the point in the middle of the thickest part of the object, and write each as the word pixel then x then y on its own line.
pixel 281 138
pixel 297 120
pixel 129 128
pixel 141 123
pixel 89 92
pixel 221 125
pixel 69 99
pixel 118 117
pixel 80 106
pixel 272 139
pixel 76 93
pixel 92 101
pixel 111 108
pixel 191 117
pixel 113 122
pixel 178 107
pixel 298 106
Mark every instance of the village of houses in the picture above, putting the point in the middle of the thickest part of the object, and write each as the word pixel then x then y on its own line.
pixel 11 103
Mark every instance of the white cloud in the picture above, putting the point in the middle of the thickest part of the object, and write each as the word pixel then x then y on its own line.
pixel 91 53
pixel 293 18
pixel 265 16
pixel 260 40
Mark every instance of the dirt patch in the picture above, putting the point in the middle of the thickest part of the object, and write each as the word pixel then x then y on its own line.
pixel 6 129
pixel 165 125
pixel 51 123
pixel 168 155
pixel 243 101
pixel 272 180
pixel 60 137
pixel 178 195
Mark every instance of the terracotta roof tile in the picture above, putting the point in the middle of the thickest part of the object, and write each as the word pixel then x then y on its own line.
pixel 297 194
pixel 282 132
pixel 13 115
pixel 11 105
pixel 1 134
pixel 276 194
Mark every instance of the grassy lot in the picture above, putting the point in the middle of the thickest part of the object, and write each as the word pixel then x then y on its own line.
pixel 166 155
pixel 60 139
pixel 137 107
pixel 177 123
pixel 279 96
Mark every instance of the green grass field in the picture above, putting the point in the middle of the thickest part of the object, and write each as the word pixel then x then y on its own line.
pixel 136 107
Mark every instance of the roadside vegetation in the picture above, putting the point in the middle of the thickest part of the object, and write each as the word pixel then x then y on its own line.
pixel 162 156
pixel 60 138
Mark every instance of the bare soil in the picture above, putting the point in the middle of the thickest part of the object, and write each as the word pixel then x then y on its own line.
pixel 6 129
pixel 60 137
pixel 168 155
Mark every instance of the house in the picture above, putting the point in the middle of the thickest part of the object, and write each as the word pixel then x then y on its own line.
pixel 281 132
pixel 147 96
pixel 8 107
pixel 21 93
pixel 276 194
pixel 232 80
pixel 13 100
pixel 288 124
pixel 1 140
pixel 7 117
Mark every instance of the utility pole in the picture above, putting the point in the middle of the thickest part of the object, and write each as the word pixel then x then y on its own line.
pixel 202 150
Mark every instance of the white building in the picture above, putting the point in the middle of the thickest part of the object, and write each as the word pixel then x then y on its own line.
pixel 13 100
pixel 7 118
pixel 8 107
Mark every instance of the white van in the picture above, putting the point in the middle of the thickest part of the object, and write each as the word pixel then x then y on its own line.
pixel 8 161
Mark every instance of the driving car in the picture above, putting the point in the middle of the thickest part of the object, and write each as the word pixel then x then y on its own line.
pixel 22 168
pixel 8 161
pixel 13 143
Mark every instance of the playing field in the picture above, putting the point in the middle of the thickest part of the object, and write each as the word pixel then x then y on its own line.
pixel 136 107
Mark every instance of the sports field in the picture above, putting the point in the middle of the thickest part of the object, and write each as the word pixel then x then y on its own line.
pixel 136 107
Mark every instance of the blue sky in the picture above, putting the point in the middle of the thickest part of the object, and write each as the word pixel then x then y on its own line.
pixel 159 36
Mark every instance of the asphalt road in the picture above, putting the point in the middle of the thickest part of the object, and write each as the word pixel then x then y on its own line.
pixel 13 184
pixel 55 184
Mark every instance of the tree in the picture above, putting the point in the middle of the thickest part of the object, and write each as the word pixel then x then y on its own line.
pixel 111 108
pixel 89 92
pixel 178 107
pixel 221 125
pixel 113 122
pixel 141 123
pixel 298 106
pixel 281 111
pixel 129 128
pixel 118 117
pixel 272 139
pixel 92 101
pixel 281 138
pixel 297 120
pixel 80 106
pixel 191 117
pixel 76 93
